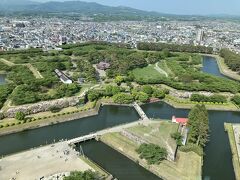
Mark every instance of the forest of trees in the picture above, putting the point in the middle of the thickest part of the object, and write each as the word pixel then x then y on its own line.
pixel 174 47
pixel 231 59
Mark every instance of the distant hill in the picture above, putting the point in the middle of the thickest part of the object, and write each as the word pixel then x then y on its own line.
pixel 68 6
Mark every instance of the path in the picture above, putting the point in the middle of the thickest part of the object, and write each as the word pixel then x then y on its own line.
pixel 7 62
pixel 160 70
pixel 35 72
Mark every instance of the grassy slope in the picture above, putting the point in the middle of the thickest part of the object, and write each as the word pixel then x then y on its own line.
pixel 147 73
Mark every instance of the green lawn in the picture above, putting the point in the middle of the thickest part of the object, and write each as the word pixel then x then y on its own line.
pixel 157 133
pixel 147 73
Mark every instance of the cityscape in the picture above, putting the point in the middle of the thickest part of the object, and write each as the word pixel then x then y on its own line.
pixel 49 33
pixel 119 90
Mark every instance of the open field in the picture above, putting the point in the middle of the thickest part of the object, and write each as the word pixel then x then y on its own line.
pixel 147 73
pixel 186 167
pixel 235 156
pixel 42 162
pixel 157 133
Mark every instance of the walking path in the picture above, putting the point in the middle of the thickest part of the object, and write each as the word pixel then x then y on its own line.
pixel 160 70
pixel 35 72
pixel 7 62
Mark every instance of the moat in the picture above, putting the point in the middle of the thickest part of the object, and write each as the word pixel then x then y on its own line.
pixel 217 160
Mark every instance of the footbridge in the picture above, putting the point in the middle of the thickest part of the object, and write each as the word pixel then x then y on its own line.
pixel 140 112
pixel 105 131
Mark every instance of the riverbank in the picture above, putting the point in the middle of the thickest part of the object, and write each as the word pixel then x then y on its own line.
pixel 187 165
pixel 235 157
pixel 186 104
pixel 49 121
pixel 71 114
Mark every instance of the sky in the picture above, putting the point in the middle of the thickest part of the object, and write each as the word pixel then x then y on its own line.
pixel 203 7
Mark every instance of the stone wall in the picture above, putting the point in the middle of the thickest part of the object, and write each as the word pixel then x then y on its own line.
pixel 42 106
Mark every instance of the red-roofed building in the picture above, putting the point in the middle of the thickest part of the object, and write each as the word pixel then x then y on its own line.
pixel 182 121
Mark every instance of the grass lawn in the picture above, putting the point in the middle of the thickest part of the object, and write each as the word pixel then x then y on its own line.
pixel 157 133
pixel 186 167
pixel 235 160
pixel 147 73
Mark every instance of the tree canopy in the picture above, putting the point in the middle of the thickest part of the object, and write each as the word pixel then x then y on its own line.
pixel 198 125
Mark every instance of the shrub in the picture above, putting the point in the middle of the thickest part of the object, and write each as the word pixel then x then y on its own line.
pixel 20 116
pixel 54 109
pixel 6 125
pixel 123 98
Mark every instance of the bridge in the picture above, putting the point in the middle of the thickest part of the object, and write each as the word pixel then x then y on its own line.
pixel 140 111
pixel 105 131
pixel 144 120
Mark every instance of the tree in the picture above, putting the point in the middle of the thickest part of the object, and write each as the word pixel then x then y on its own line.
pixel 87 175
pixel 142 97
pixel 123 98
pixel 178 137
pixel 93 95
pixel 20 116
pixel 157 93
pixel 119 80
pixel 147 89
pixel 198 125
pixel 154 154
pixel 166 52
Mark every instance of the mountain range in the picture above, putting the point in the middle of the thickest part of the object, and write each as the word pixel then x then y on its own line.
pixel 67 6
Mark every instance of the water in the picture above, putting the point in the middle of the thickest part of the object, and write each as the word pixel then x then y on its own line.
pixel 2 78
pixel 210 66
pixel 217 160
pixel 116 163
pixel 108 116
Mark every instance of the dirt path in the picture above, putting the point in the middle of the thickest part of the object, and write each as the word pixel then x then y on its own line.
pixel 161 71
pixel 7 62
pixel 35 72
